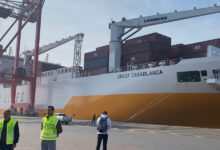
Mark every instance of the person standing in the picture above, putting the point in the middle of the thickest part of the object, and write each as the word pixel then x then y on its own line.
pixel 9 132
pixel 103 126
pixel 51 128
pixel 93 119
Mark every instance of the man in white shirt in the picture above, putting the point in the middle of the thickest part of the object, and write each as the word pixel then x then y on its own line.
pixel 103 126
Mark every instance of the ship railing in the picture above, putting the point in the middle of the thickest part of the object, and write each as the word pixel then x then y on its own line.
pixel 65 73
pixel 87 73
pixel 215 75
pixel 54 75
pixel 132 66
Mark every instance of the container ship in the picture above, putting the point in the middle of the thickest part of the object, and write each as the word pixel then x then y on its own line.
pixel 142 80
pixel 158 83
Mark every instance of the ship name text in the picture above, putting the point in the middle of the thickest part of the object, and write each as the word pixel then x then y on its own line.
pixel 140 74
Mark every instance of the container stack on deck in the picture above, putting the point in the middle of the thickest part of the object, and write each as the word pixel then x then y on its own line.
pixel 193 50
pixel 96 62
pixel 148 48
pixel 153 47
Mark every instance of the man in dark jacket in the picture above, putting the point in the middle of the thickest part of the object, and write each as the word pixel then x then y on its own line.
pixel 9 131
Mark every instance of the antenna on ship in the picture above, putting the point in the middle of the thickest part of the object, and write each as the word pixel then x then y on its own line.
pixel 10 51
pixel 47 58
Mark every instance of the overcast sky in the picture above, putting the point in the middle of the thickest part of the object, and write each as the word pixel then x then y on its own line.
pixel 62 18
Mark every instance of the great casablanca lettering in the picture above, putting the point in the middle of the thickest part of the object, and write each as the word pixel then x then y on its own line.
pixel 140 74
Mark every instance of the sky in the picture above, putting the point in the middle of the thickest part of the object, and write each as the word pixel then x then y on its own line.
pixel 62 18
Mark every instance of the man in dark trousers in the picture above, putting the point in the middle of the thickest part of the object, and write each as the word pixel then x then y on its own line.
pixel 51 128
pixel 9 131
pixel 93 119
pixel 103 126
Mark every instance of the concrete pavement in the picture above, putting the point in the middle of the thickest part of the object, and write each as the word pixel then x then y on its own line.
pixel 79 135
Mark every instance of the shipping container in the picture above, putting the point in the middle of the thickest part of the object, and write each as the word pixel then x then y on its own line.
pixel 94 71
pixel 94 63
pixel 178 50
pixel 195 55
pixel 154 47
pixel 141 58
pixel 103 48
pixel 194 48
pixel 153 37
pixel 158 57
pixel 148 48
pixel 135 59
pixel 186 51
pixel 98 53
pixel 202 46
pixel 134 49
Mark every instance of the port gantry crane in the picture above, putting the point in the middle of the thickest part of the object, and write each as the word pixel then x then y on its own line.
pixel 23 11
pixel 30 11
pixel 78 38
pixel 118 29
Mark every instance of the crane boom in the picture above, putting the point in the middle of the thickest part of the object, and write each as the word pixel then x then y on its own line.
pixel 28 54
pixel 19 9
pixel 168 17
pixel 118 29
pixel 50 46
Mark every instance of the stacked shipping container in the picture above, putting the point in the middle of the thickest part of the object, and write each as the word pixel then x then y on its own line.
pixel 96 62
pixel 151 47
pixel 199 49
pixel 193 50
pixel 176 49
pixel 144 49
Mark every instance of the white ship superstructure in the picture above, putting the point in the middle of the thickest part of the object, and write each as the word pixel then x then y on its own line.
pixel 74 96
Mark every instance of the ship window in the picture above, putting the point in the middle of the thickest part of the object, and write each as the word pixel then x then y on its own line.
pixel 51 73
pixel 216 73
pixel 62 71
pixel 58 71
pixel 203 73
pixel 66 70
pixel 42 74
pixel 70 69
pixel 189 76
pixel 48 73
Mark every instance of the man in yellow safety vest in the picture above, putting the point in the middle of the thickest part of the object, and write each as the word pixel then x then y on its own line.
pixel 9 132
pixel 51 128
